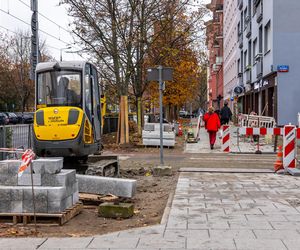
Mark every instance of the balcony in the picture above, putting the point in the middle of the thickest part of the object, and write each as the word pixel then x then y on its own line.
pixel 240 40
pixel 240 4
pixel 248 75
pixel 258 57
pixel 259 14
pixel 219 35
pixel 219 60
pixel 248 29
pixel 240 76
pixel 215 68
pixel 216 44
pixel 216 20
pixel 219 8
pixel 259 69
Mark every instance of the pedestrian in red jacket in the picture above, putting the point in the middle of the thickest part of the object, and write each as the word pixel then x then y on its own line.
pixel 212 125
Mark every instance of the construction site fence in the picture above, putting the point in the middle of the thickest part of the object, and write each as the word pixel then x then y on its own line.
pixel 15 136
pixel 245 120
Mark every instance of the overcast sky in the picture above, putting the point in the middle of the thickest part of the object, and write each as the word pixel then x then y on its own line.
pixel 57 38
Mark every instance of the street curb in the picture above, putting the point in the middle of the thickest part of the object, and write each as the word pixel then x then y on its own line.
pixel 164 218
pixel 226 170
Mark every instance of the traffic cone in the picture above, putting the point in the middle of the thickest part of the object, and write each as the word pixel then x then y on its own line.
pixel 278 164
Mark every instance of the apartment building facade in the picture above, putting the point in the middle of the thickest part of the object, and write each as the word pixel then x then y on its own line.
pixel 214 42
pixel 231 55
pixel 267 62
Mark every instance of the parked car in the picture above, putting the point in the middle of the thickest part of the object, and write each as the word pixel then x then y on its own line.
pixel 13 119
pixel 20 117
pixel 3 119
pixel 28 117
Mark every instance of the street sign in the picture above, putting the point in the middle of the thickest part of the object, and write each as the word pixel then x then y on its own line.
pixel 153 74
pixel 160 74
pixel 283 68
pixel 238 90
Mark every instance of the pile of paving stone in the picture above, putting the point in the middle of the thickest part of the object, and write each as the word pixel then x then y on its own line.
pixel 55 190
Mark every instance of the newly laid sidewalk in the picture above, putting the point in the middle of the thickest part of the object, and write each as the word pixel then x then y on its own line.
pixel 241 145
pixel 210 210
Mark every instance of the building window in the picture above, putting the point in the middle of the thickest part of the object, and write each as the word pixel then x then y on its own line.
pixel 242 20
pixel 249 53
pixel 246 18
pixel 242 62
pixel 239 66
pixel 260 39
pixel 249 7
pixel 245 59
pixel 267 43
pixel 254 49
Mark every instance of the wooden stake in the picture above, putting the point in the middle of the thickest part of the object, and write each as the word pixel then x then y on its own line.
pixel 122 134
pixel 126 119
pixel 119 124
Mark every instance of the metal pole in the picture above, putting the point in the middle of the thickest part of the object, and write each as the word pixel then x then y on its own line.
pixel 160 68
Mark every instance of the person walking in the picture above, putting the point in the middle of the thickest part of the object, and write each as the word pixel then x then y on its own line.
pixel 212 125
pixel 226 114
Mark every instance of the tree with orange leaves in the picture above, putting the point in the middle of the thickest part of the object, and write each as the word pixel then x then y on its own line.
pixel 173 49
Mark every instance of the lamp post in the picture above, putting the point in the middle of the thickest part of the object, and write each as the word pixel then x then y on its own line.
pixel 62 50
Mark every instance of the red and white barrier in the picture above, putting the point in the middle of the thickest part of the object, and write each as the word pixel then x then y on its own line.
pixel 260 131
pixel 290 133
pixel 289 146
pixel 226 138
pixel 27 158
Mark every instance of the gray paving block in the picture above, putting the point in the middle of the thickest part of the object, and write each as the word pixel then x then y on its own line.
pixel 47 165
pixel 21 243
pixel 5 206
pixel 25 180
pixel 13 167
pixel 260 244
pixel 106 185
pixel 64 178
pixel 56 193
pixel 75 198
pixel 56 206
pixel 16 206
pixel 40 197
pixel 160 242
pixel 3 168
pixel 294 171
pixel 16 194
pixel 60 205
pixel 112 242
pixel 69 201
pixel 69 243
pixel 5 193
pixel 9 180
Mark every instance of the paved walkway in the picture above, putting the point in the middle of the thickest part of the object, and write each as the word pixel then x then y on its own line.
pixel 241 145
pixel 209 211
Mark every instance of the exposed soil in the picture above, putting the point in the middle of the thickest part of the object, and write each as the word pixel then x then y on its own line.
pixel 150 201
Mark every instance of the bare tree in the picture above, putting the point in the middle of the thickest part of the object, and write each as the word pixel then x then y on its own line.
pixel 118 36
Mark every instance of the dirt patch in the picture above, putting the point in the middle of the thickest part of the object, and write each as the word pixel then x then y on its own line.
pixel 150 201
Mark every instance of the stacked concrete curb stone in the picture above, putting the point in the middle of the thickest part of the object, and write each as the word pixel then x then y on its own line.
pixel 55 189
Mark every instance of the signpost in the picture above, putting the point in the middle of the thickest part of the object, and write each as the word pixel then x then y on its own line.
pixel 160 74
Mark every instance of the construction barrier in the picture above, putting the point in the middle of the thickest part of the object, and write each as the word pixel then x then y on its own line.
pixel 256 121
pixel 289 132
pixel 289 146
pixel 226 138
